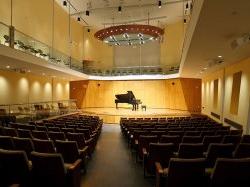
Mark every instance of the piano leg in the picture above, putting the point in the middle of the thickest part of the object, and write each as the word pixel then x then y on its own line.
pixel 116 105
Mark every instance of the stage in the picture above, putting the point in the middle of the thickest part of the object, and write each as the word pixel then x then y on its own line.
pixel 113 115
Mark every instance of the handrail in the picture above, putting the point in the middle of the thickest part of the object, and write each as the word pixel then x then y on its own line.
pixel 42 102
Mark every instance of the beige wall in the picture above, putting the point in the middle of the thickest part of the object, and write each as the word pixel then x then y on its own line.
pixel 35 18
pixel 171 47
pixel 182 94
pixel 26 88
pixel 97 51
pixel 207 93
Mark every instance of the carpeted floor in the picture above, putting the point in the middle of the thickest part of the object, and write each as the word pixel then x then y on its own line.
pixel 112 164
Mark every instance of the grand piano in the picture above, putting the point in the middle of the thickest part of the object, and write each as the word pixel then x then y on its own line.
pixel 127 98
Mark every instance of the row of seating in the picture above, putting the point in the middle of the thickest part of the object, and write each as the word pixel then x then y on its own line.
pixel 156 145
pixel 43 169
pixel 227 172
pixel 61 154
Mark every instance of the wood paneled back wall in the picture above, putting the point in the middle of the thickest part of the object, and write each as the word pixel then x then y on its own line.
pixel 183 94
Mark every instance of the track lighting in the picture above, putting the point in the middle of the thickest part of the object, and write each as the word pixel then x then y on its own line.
pixel 64 3
pixel 119 9
pixel 159 4
pixel 78 19
pixel 87 12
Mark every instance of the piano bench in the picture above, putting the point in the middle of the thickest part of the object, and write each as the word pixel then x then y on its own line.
pixel 144 107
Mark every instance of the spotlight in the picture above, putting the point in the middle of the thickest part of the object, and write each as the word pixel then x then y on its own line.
pixel 187 5
pixel 119 9
pixel 159 4
pixel 185 21
pixel 64 3
pixel 78 19
pixel 88 30
pixel 87 12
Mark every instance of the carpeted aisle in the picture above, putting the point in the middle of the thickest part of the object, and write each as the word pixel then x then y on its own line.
pixel 112 164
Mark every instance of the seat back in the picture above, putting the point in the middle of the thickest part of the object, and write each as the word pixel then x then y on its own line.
pixel 187 150
pixel 7 131
pixel 242 150
pixel 245 138
pixel 231 172
pixel 211 139
pixel 78 137
pixel 43 146
pixel 14 168
pixel 186 172
pixel 86 132
pixel 171 139
pixel 56 135
pixel 219 150
pixel 54 129
pixel 234 139
pixel 192 139
pixel 6 142
pixel 40 135
pixel 144 142
pixel 24 144
pixel 159 152
pixel 24 133
pixel 68 149
pixel 48 169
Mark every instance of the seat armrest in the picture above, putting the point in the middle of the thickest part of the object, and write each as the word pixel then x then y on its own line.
pixel 76 164
pixel 144 151
pixel 159 168
pixel 88 141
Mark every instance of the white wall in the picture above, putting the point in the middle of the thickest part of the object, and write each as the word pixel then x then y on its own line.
pixel 225 92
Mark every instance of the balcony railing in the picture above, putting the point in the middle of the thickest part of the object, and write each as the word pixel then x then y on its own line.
pixel 29 45
pixel 25 112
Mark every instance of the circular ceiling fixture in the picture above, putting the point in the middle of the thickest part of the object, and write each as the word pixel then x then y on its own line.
pixel 133 34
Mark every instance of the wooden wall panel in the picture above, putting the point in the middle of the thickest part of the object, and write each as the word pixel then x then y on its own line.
pixel 235 93
pixel 182 94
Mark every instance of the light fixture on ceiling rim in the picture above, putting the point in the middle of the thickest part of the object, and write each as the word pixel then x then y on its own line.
pixel 64 3
pixel 119 9
pixel 159 4
pixel 129 34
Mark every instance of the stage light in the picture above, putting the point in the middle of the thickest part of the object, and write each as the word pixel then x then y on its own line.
pixel 119 9
pixel 64 3
pixel 87 12
pixel 78 19
pixel 159 4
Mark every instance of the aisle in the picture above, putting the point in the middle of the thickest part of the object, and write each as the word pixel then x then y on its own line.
pixel 112 164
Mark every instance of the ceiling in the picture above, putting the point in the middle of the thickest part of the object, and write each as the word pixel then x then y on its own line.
pixel 220 23
pixel 104 13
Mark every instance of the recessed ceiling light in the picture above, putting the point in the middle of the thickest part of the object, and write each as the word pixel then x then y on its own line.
pixel 219 56
pixel 43 73
pixel 205 68
pixel 28 71
pixel 8 67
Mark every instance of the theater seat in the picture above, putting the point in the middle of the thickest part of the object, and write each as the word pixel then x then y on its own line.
pixel 24 144
pixel 231 173
pixel 6 142
pixel 49 170
pixel 183 173
pixel 187 150
pixel 44 146
pixel 14 168
pixel 242 151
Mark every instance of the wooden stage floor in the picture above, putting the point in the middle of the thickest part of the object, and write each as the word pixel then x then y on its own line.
pixel 113 115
